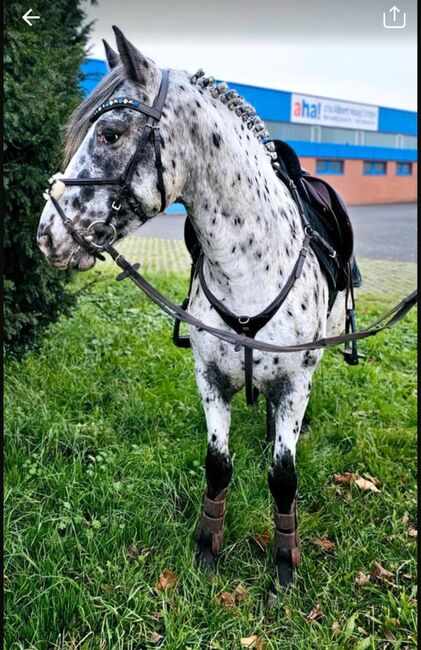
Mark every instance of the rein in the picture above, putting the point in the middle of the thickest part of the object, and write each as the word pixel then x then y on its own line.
pixel 385 321
pixel 245 327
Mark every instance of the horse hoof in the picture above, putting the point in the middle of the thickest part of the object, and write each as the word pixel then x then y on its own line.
pixel 206 560
pixel 285 573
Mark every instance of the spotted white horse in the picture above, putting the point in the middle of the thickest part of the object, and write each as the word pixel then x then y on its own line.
pixel 249 228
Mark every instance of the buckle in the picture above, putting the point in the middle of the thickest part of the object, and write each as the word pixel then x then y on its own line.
pixel 244 320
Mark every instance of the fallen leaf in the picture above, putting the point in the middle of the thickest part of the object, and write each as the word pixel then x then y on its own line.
pixel 324 543
pixel 315 613
pixel 381 573
pixel 252 642
pixel 362 579
pixel 405 518
pixel 240 593
pixel 377 482
pixel 412 532
pixel 262 540
pixel 226 599
pixel 167 579
pixel 365 484
pixel 389 636
pixel 336 628
pixel 133 552
pixel 155 638
pixel 343 479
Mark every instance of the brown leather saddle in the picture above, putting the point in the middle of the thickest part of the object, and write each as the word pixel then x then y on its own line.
pixel 327 214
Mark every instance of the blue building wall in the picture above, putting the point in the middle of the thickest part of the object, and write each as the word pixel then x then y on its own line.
pixel 92 72
pixel 352 151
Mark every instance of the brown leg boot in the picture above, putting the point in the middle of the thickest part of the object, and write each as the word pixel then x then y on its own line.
pixel 286 552
pixel 211 533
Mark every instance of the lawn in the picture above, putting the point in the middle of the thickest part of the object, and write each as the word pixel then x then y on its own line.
pixel 104 452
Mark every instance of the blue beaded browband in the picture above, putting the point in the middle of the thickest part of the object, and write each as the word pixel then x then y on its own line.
pixel 124 102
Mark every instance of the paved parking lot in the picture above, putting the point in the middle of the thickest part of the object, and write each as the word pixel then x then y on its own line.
pixel 382 232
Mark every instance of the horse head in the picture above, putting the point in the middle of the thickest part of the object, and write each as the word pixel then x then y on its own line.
pixel 120 165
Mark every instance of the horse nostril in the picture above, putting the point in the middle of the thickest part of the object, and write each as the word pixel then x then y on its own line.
pixel 45 243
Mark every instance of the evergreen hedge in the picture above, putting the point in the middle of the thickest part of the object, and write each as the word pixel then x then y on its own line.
pixel 41 77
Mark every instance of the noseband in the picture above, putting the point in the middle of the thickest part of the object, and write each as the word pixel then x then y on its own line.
pixel 86 238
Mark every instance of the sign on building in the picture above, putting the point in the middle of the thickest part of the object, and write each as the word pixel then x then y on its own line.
pixel 307 109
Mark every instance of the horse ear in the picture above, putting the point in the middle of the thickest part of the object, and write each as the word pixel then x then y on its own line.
pixel 137 67
pixel 112 56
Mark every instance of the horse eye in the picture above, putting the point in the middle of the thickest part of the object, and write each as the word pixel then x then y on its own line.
pixel 108 137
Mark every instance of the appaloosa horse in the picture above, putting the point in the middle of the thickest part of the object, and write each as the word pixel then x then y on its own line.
pixel 209 156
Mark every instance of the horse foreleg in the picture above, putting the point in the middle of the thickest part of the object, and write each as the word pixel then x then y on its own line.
pixel 218 472
pixel 283 481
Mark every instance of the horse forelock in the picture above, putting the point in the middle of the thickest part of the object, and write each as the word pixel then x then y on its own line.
pixel 79 123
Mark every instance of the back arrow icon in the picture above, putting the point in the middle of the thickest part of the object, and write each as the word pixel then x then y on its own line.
pixel 27 17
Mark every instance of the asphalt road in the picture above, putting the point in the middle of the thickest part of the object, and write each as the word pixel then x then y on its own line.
pixel 382 232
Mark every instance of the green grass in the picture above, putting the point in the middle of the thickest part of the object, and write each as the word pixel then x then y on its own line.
pixel 105 444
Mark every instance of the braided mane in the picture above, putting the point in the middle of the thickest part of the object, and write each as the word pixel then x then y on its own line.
pixel 238 104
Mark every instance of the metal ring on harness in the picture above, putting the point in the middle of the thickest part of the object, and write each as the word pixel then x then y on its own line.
pixel 108 225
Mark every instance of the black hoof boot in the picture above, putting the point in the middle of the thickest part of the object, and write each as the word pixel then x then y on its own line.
pixel 270 422
pixel 286 552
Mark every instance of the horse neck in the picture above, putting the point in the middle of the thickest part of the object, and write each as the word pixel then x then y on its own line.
pixel 246 221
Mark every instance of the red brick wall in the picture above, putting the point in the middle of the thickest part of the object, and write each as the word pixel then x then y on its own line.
pixel 359 189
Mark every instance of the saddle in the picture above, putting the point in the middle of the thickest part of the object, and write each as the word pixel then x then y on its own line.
pixel 327 214
pixel 324 213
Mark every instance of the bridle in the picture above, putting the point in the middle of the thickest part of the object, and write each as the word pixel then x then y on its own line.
pixel 239 338
pixel 86 237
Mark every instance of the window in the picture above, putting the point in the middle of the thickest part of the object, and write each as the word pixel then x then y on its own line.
pixel 409 141
pixel 378 139
pixel 288 131
pixel 329 166
pixel 338 136
pixel 403 169
pixel 374 168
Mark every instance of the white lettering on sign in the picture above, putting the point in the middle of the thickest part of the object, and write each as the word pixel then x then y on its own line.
pixel 307 109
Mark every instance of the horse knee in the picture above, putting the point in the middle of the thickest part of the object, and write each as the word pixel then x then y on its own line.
pixel 282 481
pixel 218 471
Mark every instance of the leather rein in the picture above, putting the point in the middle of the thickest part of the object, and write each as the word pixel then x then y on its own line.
pixel 244 327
